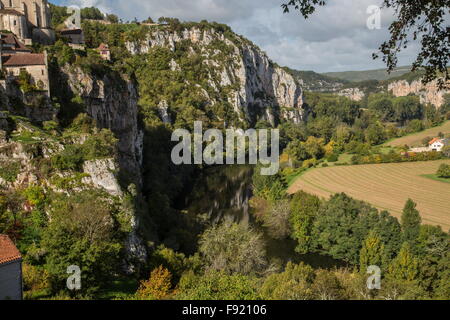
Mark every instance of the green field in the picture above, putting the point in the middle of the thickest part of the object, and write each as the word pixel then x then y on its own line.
pixel 436 178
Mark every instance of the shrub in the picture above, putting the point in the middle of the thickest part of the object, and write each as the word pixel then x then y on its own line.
pixel 333 158
pixel 216 285
pixel 9 171
pixel 70 159
pixel 233 248
pixel 444 171
pixel 49 125
pixel 34 278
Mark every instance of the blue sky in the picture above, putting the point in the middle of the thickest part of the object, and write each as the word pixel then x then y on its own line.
pixel 336 38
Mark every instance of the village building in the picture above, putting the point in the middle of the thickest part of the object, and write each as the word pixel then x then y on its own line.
pixel 29 20
pixel 104 52
pixel 437 144
pixel 75 37
pixel 33 63
pixel 10 270
pixel 10 44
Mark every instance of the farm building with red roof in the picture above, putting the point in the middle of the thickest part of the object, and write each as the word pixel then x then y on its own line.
pixel 10 270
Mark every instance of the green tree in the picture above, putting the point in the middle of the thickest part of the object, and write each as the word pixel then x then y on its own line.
pixel 270 188
pixel 293 284
pixel 372 252
pixel 383 106
pixel 315 147
pixel 443 171
pixel 410 221
pixel 91 13
pixel 434 254
pixel 340 227
pixel 405 266
pixel 327 286
pixel 148 20
pixel 233 248
pixel 304 209
pixel 407 108
pixel 297 151
pixel 375 134
pixel 112 18
pixel 446 151
pixel 81 232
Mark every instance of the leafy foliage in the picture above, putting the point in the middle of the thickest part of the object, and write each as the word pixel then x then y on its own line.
pixel 233 248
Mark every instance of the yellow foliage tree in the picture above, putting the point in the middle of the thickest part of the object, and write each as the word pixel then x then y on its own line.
pixel 158 286
pixel 329 148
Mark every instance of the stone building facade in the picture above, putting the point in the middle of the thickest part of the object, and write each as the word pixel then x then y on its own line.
pixel 33 63
pixel 29 20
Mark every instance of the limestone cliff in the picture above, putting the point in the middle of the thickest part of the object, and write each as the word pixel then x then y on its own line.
pixel 112 103
pixel 355 94
pixel 428 93
pixel 259 88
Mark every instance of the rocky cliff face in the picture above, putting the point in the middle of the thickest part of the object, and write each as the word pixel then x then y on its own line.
pixel 429 93
pixel 355 94
pixel 36 106
pixel 259 88
pixel 112 103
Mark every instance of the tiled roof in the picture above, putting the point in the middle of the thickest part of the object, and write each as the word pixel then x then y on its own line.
pixel 25 59
pixel 434 140
pixel 71 31
pixel 103 47
pixel 8 251
pixel 11 12
pixel 11 39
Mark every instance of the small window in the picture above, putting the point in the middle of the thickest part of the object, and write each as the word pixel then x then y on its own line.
pixel 42 71
pixel 15 22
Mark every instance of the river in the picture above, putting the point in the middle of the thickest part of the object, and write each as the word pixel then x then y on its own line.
pixel 223 194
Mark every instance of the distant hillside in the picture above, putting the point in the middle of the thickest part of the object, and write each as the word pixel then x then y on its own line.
pixel 379 74
pixel 313 81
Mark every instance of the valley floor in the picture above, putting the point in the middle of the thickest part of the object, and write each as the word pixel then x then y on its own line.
pixel 386 186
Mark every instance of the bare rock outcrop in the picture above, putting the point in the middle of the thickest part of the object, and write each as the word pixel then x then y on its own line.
pixel 259 88
pixel 428 93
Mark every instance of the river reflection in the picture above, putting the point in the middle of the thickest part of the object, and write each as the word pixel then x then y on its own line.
pixel 223 194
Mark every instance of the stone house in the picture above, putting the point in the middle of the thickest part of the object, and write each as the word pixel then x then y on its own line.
pixel 74 36
pixel 27 19
pixel 10 270
pixel 33 63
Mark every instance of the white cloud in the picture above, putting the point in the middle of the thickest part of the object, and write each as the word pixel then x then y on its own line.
pixel 335 38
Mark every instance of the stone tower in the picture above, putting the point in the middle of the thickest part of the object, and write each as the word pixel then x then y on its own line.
pixel 28 19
